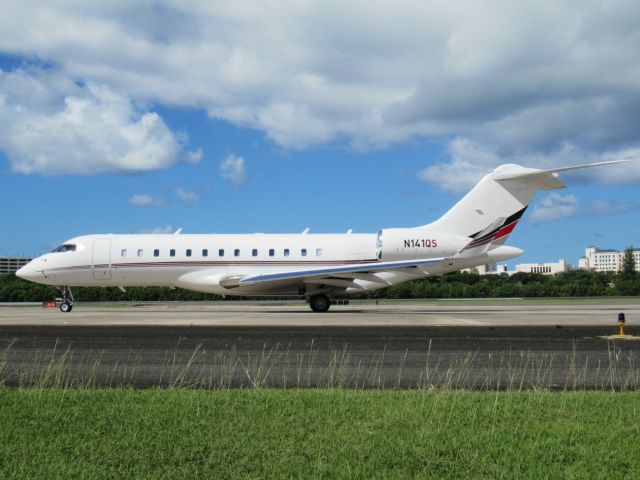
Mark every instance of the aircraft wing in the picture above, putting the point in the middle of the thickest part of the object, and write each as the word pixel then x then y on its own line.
pixel 361 270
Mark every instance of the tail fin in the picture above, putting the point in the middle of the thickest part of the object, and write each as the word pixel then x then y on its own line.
pixel 503 194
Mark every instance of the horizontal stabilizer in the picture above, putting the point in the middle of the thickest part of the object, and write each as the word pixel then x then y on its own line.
pixel 556 170
pixel 534 173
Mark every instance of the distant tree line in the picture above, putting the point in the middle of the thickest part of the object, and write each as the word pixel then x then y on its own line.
pixel 577 283
pixel 14 289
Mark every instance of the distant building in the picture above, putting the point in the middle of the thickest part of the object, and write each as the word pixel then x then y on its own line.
pixel 544 268
pixel 488 269
pixel 607 260
pixel 12 264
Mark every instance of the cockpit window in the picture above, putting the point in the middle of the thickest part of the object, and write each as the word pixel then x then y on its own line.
pixel 65 248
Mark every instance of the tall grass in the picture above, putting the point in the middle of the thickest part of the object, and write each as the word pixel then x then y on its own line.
pixel 278 367
pixel 316 433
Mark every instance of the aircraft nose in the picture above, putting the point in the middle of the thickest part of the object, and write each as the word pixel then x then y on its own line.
pixel 21 272
pixel 27 272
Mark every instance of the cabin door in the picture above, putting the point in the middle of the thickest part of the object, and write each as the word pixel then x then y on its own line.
pixel 101 260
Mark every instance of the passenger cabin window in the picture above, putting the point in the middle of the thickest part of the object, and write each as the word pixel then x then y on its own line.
pixel 286 252
pixel 64 248
pixel 303 252
pixel 172 253
pixel 140 252
pixel 318 252
pixel 156 253
pixel 205 252
pixel 123 252
pixel 188 252
pixel 221 252
pixel 254 252
pixel 236 253
pixel 272 252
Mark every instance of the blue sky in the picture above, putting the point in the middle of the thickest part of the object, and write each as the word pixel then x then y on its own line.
pixel 246 118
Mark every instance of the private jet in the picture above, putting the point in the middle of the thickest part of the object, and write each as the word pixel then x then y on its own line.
pixel 320 267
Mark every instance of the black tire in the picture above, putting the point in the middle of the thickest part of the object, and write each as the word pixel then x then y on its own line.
pixel 319 303
pixel 66 307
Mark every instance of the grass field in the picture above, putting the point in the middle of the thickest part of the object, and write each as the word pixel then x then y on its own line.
pixel 126 433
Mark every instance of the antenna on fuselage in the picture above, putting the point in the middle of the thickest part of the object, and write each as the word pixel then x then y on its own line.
pixel 305 231
pixel 177 232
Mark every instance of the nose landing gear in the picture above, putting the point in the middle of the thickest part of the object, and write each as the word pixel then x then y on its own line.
pixel 67 299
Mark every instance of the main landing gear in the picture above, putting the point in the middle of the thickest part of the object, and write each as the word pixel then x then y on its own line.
pixel 319 303
pixel 66 299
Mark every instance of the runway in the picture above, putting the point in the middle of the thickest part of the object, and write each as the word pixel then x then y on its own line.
pixel 394 346
pixel 298 314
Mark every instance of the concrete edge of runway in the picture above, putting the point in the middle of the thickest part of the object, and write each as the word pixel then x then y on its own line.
pixel 233 314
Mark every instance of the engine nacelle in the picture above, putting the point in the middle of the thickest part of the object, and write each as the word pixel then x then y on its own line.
pixel 412 243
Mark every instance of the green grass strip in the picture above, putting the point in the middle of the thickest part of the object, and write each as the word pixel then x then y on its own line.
pixel 121 433
pixel 504 301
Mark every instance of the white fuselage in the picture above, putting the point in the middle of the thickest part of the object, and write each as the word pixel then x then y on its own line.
pixel 204 262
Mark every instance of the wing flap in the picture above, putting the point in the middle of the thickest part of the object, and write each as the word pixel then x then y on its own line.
pixel 334 282
pixel 367 277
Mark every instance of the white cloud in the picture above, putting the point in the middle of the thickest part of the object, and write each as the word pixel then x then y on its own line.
pixel 142 200
pixel 469 161
pixel 521 79
pixel 311 72
pixel 193 156
pixel 159 230
pixel 234 170
pixel 186 196
pixel 54 126
pixel 615 174
pixel 610 207
pixel 555 207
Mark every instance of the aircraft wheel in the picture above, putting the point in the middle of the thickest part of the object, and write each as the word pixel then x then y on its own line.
pixel 319 303
pixel 66 307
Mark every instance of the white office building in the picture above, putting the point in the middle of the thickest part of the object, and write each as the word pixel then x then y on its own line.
pixel 488 269
pixel 605 260
pixel 544 268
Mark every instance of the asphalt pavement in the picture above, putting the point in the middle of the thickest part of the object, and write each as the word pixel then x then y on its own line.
pixel 557 352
